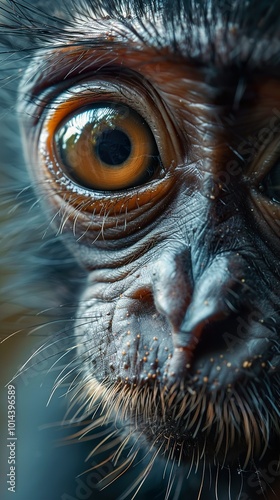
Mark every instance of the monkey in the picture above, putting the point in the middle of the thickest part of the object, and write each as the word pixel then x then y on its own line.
pixel 150 133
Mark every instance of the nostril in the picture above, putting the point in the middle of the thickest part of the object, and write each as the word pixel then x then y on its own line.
pixel 203 315
pixel 204 341
pixel 221 353
pixel 214 307
pixel 218 337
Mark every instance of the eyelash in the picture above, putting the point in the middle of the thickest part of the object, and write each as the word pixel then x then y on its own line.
pixel 85 206
pixel 73 96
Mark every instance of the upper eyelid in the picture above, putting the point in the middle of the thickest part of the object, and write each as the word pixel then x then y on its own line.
pixel 60 67
pixel 37 96
pixel 119 83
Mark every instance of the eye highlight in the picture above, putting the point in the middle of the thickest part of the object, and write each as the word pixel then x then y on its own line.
pixel 104 154
pixel 107 146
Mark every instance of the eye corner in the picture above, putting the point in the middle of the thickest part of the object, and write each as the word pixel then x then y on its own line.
pixel 269 186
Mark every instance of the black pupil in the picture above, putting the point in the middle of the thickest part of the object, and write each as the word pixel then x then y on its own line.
pixel 113 147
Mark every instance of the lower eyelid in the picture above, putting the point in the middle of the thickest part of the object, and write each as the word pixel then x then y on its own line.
pixel 72 197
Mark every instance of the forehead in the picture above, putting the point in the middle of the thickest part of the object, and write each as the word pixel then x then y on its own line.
pixel 170 43
pixel 218 32
pixel 211 32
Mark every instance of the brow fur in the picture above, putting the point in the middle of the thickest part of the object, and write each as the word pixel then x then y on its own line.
pixel 206 31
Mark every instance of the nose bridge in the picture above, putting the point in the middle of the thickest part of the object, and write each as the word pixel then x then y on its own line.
pixel 172 285
pixel 189 304
pixel 216 296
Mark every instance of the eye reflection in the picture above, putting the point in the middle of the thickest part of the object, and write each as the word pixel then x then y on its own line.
pixel 108 146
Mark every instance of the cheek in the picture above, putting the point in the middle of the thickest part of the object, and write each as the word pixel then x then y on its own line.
pixel 175 344
pixel 144 340
pixel 203 319
pixel 124 340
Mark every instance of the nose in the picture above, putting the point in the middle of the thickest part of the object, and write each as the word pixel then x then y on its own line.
pixel 191 305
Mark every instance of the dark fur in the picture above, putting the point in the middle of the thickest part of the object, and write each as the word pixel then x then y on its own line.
pixel 200 33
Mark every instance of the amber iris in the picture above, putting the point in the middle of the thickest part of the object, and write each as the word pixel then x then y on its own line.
pixel 107 146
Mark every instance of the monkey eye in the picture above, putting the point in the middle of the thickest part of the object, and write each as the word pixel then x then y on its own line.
pixel 104 153
pixel 271 184
pixel 107 146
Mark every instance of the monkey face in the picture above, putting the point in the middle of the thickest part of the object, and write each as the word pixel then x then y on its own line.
pixel 163 175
